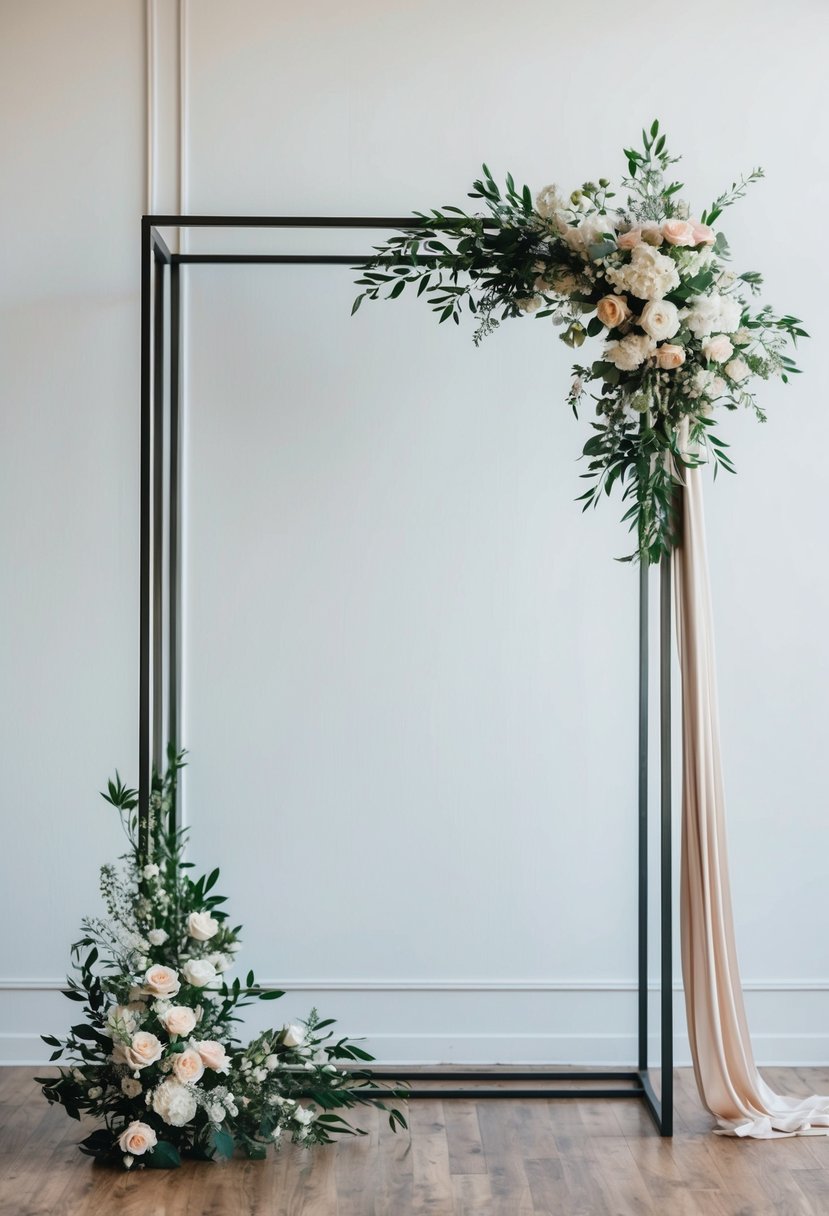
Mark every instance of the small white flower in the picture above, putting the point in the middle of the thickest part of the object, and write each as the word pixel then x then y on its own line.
pixel 95 1092
pixel 271 1062
pixel 128 1160
pixel 150 871
pixel 157 937
pixel 130 1087
pixel 303 1116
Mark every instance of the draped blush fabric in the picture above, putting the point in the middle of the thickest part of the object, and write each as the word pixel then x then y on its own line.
pixel 729 1083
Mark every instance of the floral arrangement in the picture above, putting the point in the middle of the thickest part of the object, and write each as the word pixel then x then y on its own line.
pixel 681 337
pixel 155 1058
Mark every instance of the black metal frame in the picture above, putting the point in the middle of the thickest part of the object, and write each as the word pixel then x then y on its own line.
pixel 160 654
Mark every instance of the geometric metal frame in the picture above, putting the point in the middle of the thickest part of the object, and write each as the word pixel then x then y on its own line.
pixel 160 657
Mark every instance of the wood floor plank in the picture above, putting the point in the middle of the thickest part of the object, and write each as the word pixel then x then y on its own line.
pixel 537 1157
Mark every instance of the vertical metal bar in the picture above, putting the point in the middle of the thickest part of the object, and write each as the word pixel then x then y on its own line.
pixel 158 512
pixel 666 852
pixel 173 547
pixel 644 570
pixel 145 505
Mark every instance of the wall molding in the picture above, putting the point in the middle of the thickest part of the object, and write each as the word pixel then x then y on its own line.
pixel 432 985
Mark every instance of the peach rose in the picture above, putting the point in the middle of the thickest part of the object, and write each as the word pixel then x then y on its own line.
pixel 612 310
pixel 679 232
pixel 137 1139
pixel 178 1019
pixel 719 348
pixel 161 981
pixel 652 234
pixel 188 1066
pixel 213 1055
pixel 668 356
pixel 144 1050
pixel 703 235
pixel 629 240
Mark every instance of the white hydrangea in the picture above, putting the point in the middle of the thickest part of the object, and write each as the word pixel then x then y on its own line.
pixel 630 352
pixel 712 313
pixel 650 275
pixel 157 937
pixel 548 202
pixel 174 1103
pixel 737 370
pixel 589 232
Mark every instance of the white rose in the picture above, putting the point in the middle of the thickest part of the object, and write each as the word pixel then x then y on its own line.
pixel 303 1116
pixel 198 972
pixel 216 1112
pixel 659 319
pixel 271 1062
pixel 175 1103
pixel 150 871
pixel 178 1020
pixel 161 981
pixel 202 926
pixel 293 1036
pixel 222 962
pixel 137 1139
pixel 630 352
pixel 742 337
pixel 650 275
pixel 145 1049
pixel 130 1086
pixel 737 370
pixel 157 937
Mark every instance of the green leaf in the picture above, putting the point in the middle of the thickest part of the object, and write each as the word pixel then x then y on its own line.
pixel 221 1143
pixel 272 994
pixel 165 1156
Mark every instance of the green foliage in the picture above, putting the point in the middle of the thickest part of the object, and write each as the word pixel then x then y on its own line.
pixel 559 259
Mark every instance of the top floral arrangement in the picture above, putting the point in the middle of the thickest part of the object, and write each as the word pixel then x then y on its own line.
pixel 680 335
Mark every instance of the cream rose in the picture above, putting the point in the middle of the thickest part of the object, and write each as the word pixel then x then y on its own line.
pixel 629 240
pixel 188 1066
pixel 669 356
pixel 612 311
pixel 137 1139
pixel 718 349
pixel 678 232
pixel 293 1036
pixel 175 1103
pixel 737 370
pixel 213 1055
pixel 144 1050
pixel 659 319
pixel 161 981
pixel 199 972
pixel 178 1020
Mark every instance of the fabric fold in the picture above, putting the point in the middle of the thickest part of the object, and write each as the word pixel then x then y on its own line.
pixel 729 1084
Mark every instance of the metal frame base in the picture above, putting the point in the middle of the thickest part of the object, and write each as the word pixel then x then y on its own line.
pixel 160 662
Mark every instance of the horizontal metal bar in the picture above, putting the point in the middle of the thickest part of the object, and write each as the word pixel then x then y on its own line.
pixel 492 1074
pixel 488 1092
pixel 286 221
pixel 252 259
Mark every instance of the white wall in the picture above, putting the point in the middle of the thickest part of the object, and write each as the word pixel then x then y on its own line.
pixel 406 648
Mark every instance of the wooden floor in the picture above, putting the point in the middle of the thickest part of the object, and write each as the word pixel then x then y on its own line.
pixel 463 1158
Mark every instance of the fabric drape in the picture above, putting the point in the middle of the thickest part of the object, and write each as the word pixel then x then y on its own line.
pixel 729 1084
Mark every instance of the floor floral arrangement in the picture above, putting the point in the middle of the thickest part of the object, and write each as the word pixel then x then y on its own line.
pixel 680 335
pixel 155 1059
